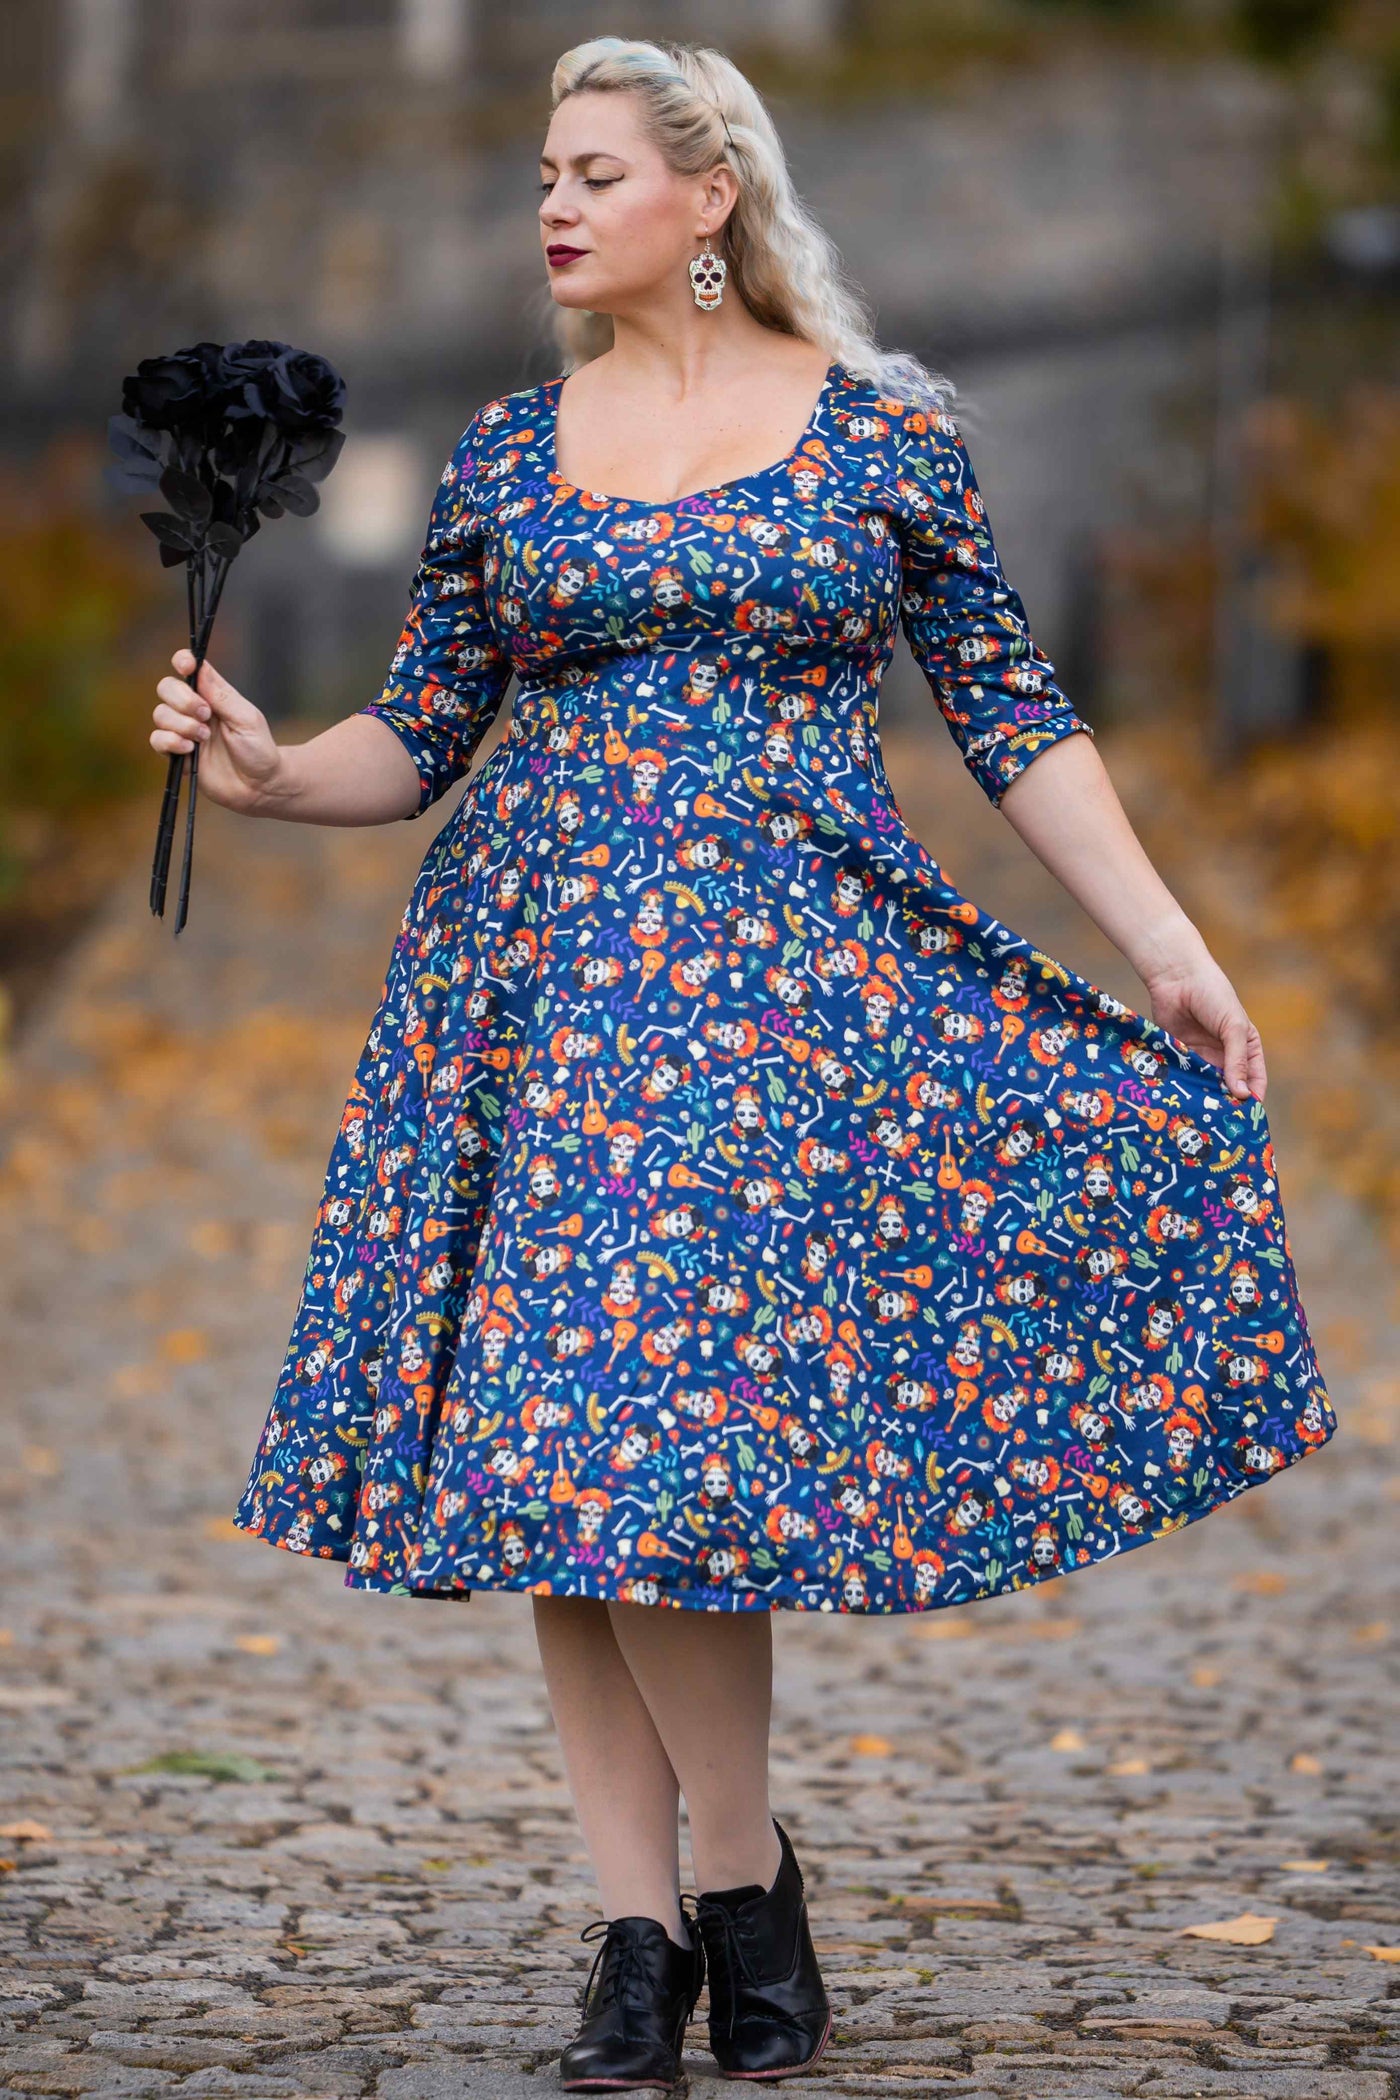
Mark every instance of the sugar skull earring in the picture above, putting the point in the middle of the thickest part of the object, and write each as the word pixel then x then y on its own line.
pixel 707 274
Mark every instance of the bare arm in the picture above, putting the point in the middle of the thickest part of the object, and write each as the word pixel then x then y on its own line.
pixel 355 772
pixel 1065 808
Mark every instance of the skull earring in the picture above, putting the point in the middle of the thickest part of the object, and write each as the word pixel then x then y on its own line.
pixel 707 274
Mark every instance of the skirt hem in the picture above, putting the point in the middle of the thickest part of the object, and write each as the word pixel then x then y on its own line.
pixel 612 1586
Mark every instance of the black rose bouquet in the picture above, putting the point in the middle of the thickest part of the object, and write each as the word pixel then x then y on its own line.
pixel 223 432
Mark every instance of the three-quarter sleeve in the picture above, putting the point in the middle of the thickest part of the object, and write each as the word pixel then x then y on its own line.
pixel 965 624
pixel 448 673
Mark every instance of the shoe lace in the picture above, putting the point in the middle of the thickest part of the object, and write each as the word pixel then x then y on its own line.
pixel 625 1969
pixel 629 1966
pixel 721 1935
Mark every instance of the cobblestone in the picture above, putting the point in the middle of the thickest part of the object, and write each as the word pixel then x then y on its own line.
pixel 391 1909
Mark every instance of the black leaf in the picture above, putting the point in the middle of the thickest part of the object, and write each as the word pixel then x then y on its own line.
pixel 132 477
pixel 295 494
pixel 224 540
pixel 170 531
pixel 315 465
pixel 187 495
pixel 129 440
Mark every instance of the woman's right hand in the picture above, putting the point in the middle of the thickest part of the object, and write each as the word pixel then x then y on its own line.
pixel 240 763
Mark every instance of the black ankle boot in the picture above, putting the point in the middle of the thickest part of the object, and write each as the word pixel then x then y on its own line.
pixel 640 1993
pixel 769 2015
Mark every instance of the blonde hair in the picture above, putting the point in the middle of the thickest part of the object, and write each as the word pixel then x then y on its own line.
pixel 698 108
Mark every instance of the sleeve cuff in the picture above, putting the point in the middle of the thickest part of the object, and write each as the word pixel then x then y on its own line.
pixel 408 728
pixel 994 761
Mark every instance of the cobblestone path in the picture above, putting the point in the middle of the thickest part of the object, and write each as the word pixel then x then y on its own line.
pixel 264 1837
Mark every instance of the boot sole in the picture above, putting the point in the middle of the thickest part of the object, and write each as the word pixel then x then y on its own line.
pixel 788 2070
pixel 620 2085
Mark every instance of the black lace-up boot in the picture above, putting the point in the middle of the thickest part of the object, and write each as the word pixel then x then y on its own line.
pixel 769 2015
pixel 640 1993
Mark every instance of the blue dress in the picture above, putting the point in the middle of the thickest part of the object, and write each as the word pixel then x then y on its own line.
pixel 725 1212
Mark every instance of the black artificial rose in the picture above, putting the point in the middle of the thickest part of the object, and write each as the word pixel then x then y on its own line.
pixel 224 432
pixel 295 390
pixel 241 367
pixel 182 392
pixel 313 393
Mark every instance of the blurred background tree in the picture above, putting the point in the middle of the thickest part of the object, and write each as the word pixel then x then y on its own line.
pixel 77 628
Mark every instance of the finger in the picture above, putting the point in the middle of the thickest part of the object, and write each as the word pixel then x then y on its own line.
pixel 182 700
pixel 179 722
pixel 167 740
pixel 1258 1075
pixel 1234 1038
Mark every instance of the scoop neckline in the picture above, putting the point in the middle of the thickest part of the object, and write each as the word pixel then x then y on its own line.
pixel 552 388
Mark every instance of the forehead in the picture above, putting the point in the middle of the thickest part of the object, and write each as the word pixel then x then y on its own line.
pixel 596 124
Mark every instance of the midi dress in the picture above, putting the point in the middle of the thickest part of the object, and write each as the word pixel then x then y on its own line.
pixel 726 1213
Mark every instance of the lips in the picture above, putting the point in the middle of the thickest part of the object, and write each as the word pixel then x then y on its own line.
pixel 564 255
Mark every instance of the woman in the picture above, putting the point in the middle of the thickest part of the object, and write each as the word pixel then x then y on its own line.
pixel 726 1214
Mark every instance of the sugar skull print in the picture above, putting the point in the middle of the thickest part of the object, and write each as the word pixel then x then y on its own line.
pixel 726 1213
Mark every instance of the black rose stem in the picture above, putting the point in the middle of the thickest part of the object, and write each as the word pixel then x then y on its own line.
pixel 223 432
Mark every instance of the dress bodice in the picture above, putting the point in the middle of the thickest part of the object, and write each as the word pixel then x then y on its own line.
pixel 800 576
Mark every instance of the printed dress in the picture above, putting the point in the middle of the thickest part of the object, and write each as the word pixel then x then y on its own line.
pixel 725 1212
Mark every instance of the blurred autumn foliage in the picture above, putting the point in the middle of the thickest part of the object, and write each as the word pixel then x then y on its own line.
pixel 1327 495
pixel 75 603
pixel 1311 816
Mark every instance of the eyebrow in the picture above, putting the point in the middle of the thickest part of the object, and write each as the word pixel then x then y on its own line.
pixel 581 160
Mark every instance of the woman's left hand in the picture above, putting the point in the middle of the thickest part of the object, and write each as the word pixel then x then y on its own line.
pixel 1197 1003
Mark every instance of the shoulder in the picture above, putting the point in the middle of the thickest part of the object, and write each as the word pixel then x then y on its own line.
pixel 907 444
pixel 503 433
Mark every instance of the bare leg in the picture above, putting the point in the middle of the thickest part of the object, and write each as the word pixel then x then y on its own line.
pixel 622 1782
pixel 707 1680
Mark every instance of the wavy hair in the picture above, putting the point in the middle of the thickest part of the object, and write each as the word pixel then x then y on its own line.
pixel 697 108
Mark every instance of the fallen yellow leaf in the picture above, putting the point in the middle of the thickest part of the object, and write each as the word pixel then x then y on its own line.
pixel 1130 1767
pixel 1249 1929
pixel 41 1462
pixel 27 1828
pixel 185 1345
pixel 257 1643
pixel 1305 1866
pixel 1381 1953
pixel 1068 1739
pixel 870 1746
pixel 1262 1582
pixel 221 1528
pixel 1205 1675
pixel 944 1626
pixel 1371 1635
pixel 1305 1762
